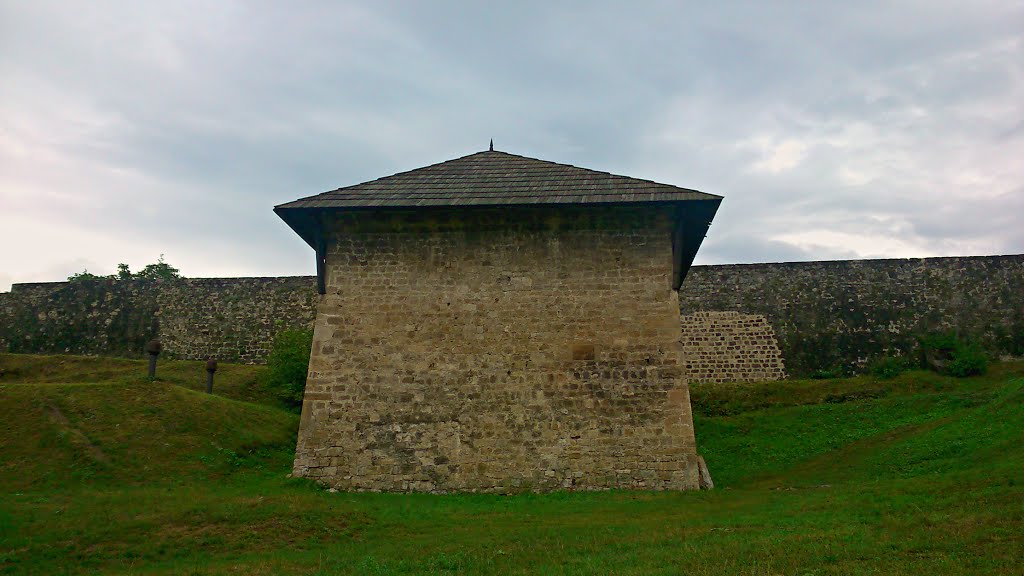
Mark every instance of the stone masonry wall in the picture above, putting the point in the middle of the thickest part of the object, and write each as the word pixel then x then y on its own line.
pixel 101 317
pixel 233 319
pixel 824 314
pixel 484 352
pixel 730 347
pixel 845 313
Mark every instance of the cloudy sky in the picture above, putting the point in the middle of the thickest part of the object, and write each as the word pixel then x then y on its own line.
pixel 833 129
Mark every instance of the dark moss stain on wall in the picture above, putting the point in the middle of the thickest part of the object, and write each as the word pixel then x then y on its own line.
pixel 94 317
pixel 232 319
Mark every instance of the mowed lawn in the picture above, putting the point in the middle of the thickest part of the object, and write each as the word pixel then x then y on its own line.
pixel 104 472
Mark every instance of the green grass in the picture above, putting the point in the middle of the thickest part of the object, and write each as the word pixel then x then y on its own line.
pixel 236 381
pixel 102 471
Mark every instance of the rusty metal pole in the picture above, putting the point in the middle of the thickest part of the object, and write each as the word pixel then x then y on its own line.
pixel 211 367
pixel 153 348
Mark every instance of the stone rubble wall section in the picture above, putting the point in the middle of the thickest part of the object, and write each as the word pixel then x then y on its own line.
pixel 730 347
pixel 495 354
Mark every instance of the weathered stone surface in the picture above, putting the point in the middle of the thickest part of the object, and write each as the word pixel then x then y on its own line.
pixel 101 317
pixel 730 347
pixel 823 313
pixel 490 351
pixel 232 319
pixel 844 313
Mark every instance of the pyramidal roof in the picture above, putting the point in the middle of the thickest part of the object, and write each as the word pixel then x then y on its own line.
pixel 497 179
pixel 493 178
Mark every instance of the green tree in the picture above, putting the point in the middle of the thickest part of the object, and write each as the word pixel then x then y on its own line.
pixel 160 270
pixel 84 276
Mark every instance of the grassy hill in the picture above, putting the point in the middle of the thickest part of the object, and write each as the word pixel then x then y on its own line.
pixel 103 471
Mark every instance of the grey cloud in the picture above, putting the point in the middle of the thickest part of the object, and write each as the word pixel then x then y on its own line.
pixel 181 125
pixel 741 248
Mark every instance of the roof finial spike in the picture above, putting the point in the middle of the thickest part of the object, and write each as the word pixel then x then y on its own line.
pixel 492 145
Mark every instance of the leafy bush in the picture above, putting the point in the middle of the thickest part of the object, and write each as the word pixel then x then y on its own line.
pixel 948 354
pixel 888 367
pixel 968 360
pixel 938 341
pixel 287 365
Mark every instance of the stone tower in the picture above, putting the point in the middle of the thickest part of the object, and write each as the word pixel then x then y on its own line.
pixel 499 323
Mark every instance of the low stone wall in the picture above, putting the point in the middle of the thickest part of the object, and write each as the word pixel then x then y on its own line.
pixel 730 347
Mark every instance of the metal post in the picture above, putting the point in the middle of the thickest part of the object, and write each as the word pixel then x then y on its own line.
pixel 211 367
pixel 153 348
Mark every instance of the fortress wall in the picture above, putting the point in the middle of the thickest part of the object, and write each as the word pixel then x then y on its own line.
pixel 844 313
pixel 823 314
pixel 233 319
pixel 100 317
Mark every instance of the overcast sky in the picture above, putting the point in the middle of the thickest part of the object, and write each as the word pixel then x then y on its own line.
pixel 833 129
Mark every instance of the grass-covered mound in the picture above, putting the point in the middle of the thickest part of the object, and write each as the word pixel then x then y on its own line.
pixel 916 474
pixel 60 435
pixel 236 381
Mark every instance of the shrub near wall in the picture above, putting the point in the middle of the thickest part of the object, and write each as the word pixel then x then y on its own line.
pixel 288 364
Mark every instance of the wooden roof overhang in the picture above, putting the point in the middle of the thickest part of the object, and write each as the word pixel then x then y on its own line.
pixel 494 179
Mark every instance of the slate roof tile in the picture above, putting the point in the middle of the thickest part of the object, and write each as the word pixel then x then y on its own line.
pixel 498 178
